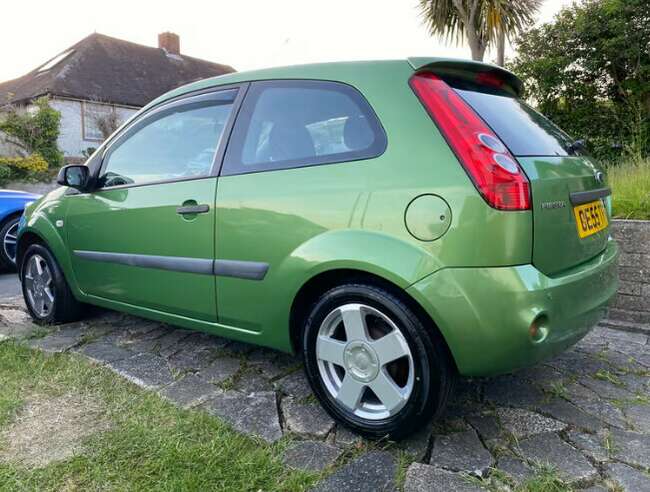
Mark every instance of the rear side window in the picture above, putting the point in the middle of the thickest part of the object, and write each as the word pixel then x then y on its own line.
pixel 292 123
pixel 525 131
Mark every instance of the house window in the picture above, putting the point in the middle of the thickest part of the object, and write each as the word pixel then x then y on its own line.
pixel 95 117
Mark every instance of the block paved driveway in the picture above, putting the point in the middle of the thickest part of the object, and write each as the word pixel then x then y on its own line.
pixel 587 412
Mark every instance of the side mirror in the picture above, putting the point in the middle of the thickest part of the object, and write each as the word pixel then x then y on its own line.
pixel 74 176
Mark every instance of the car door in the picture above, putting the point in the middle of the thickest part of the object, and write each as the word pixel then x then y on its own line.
pixel 296 167
pixel 145 235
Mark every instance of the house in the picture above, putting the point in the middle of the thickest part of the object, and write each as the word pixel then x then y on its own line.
pixel 101 81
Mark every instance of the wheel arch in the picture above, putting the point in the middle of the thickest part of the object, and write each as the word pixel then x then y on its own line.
pixel 323 281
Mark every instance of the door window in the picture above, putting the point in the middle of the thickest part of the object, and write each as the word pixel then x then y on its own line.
pixel 285 124
pixel 176 142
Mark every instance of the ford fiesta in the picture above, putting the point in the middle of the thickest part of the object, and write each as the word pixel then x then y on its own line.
pixel 397 223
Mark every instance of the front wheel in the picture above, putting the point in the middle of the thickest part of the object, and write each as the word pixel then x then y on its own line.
pixel 373 364
pixel 46 292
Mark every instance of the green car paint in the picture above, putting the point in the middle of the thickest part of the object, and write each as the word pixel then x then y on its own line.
pixel 483 281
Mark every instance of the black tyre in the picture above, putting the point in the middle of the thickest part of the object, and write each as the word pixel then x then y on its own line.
pixel 373 364
pixel 8 236
pixel 46 292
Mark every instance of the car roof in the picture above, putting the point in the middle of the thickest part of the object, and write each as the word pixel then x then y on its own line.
pixel 336 71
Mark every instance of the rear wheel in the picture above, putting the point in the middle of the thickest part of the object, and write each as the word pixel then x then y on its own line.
pixel 8 237
pixel 46 292
pixel 373 364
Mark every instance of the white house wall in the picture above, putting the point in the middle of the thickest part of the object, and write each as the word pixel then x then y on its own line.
pixel 71 139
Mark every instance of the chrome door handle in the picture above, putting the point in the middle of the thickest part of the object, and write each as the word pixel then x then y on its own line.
pixel 192 209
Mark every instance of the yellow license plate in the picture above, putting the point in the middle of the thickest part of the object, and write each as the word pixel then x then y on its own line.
pixel 590 218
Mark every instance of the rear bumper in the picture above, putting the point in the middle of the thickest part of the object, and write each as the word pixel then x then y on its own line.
pixel 485 313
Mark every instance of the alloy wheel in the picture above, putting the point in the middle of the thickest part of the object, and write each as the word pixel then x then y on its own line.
pixel 39 286
pixel 365 361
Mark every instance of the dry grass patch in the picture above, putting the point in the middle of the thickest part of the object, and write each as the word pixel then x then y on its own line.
pixel 51 429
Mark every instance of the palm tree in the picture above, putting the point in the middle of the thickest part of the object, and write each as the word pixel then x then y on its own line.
pixel 482 22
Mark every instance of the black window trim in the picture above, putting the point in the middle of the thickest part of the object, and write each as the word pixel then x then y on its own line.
pixel 381 143
pixel 164 105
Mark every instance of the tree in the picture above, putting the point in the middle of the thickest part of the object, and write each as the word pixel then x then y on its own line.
pixel 589 71
pixel 482 22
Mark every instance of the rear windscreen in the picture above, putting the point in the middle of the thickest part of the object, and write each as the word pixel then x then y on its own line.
pixel 525 131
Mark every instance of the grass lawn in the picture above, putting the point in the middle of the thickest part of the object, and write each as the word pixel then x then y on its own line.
pixel 133 440
pixel 630 183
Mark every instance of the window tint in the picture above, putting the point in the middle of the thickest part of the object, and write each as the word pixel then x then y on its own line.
pixel 285 124
pixel 525 131
pixel 173 143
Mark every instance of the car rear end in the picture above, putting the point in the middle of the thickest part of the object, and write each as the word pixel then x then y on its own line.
pixel 496 319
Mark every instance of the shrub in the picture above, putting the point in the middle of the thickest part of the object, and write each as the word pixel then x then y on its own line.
pixel 589 71
pixel 32 167
pixel 37 130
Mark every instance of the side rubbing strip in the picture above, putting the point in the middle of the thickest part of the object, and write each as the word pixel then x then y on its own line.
pixel 171 263
pixel 251 270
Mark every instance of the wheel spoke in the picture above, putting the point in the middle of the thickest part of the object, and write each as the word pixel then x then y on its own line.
pixel 330 350
pixel 387 391
pixel 39 267
pixel 350 392
pixel 354 322
pixel 29 283
pixel 46 276
pixel 390 347
pixel 39 304
pixel 49 295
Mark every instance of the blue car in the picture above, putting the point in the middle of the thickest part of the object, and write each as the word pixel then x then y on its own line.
pixel 12 204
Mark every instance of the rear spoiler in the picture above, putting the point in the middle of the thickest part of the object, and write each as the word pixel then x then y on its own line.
pixel 457 67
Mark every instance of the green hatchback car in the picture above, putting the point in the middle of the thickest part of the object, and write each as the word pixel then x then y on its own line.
pixel 398 223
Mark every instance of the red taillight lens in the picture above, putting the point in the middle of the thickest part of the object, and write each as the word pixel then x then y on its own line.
pixel 492 168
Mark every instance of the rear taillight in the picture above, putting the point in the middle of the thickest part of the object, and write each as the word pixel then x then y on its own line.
pixel 492 168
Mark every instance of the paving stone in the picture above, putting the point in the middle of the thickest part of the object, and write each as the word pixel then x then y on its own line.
pixel 635 383
pixel 417 444
pixel 306 419
pixel 58 341
pixel 577 363
pixel 590 444
pixel 271 363
pixel 624 337
pixel 189 391
pixel 627 478
pixel 345 437
pixel 549 448
pixel 486 425
pixel 426 478
pixel 103 352
pixel 461 451
pixel 639 417
pixel 606 412
pixel 595 488
pixel 294 384
pixel 169 342
pixel 631 447
pixel 509 391
pixel 221 369
pixel 517 469
pixel 626 363
pixel 252 382
pixel 255 414
pixel 371 472
pixel 566 412
pixel 145 370
pixel 605 389
pixel 523 423
pixel 311 455
pixel 192 358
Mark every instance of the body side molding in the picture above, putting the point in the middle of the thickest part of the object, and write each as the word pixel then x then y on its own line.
pixel 252 270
